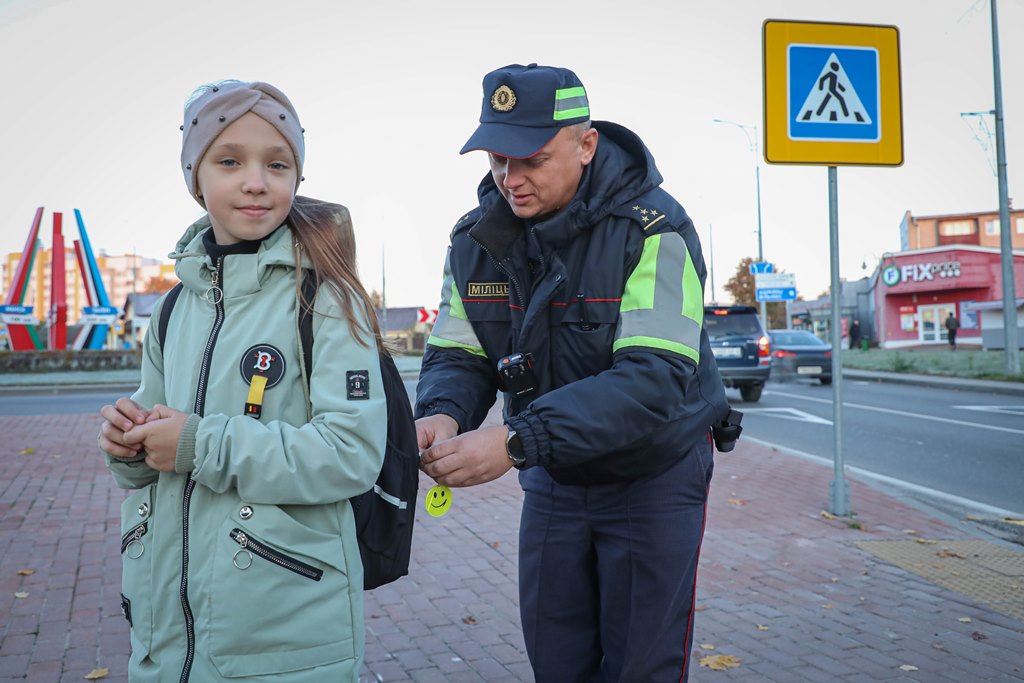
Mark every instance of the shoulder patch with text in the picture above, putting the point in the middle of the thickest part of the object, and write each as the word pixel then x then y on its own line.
pixel 487 290
pixel 358 385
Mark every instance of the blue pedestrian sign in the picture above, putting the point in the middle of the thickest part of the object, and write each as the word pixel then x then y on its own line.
pixel 833 93
pixel 758 267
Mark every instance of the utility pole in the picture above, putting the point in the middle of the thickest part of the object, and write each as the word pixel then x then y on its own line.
pixel 711 262
pixel 1005 229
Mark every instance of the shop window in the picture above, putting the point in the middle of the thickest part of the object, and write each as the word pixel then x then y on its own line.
pixel 951 228
pixel 1020 226
pixel 992 226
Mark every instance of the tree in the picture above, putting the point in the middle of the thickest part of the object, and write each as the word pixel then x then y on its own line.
pixel 158 285
pixel 376 299
pixel 741 284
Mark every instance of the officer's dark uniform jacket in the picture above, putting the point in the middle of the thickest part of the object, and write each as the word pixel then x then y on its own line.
pixel 607 295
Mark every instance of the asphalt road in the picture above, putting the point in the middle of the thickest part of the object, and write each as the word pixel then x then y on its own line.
pixel 959 443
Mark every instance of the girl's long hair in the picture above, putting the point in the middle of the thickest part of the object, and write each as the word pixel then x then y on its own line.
pixel 323 232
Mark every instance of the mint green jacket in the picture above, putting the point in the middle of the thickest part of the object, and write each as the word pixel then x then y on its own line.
pixel 243 564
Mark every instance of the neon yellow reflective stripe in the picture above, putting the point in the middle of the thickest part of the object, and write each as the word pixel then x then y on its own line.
pixel 654 343
pixel 639 294
pixel 572 113
pixel 563 93
pixel 693 293
pixel 457 308
pixel 447 344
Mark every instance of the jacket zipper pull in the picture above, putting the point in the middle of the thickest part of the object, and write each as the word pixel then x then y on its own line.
pixel 243 541
pixel 215 294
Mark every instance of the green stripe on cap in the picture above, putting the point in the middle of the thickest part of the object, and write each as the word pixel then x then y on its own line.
pixel 571 103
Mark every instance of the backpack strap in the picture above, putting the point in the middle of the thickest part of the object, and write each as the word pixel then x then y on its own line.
pixel 165 314
pixel 309 286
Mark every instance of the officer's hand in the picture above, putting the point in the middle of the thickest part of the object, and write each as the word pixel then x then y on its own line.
pixel 159 436
pixel 434 429
pixel 117 420
pixel 468 459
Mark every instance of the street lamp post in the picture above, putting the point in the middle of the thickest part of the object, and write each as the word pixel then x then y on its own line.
pixel 752 140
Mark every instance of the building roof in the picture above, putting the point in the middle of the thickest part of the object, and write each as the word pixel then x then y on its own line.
pixel 141 305
pixel 400 319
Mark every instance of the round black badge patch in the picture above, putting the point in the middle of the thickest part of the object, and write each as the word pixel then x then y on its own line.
pixel 262 359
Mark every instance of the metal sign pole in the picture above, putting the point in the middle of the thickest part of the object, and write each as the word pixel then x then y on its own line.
pixel 838 489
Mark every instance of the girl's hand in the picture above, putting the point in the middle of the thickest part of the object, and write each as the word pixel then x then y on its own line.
pixel 159 436
pixel 119 419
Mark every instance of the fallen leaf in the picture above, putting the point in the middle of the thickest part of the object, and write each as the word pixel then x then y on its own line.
pixel 909 531
pixel 1011 520
pixel 964 620
pixel 707 646
pixel 925 541
pixel 762 627
pixel 720 662
pixel 835 579
pixel 21 595
pixel 469 620
pixel 699 608
pixel 908 667
pixel 946 552
pixel 495 545
pixel 26 572
pixel 938 646
pixel 827 515
pixel 26 451
pixel 827 606
pixel 977 635
pixel 738 502
pixel 97 674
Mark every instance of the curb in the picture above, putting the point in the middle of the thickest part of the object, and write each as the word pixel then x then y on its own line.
pixel 941 381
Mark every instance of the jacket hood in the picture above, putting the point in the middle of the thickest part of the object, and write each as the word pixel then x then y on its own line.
pixel 622 169
pixel 193 267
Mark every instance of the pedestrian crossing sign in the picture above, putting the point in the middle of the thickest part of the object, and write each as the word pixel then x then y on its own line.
pixel 832 94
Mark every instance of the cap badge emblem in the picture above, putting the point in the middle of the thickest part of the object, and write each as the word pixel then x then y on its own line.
pixel 503 99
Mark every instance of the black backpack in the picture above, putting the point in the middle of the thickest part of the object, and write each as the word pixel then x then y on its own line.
pixel 384 515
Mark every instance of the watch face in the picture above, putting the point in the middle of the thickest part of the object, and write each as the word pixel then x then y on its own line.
pixel 514 446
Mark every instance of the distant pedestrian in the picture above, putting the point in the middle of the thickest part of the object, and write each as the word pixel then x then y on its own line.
pixel 239 551
pixel 952 325
pixel 855 334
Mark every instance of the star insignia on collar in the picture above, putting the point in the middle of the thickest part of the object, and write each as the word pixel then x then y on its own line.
pixel 645 218
pixel 636 208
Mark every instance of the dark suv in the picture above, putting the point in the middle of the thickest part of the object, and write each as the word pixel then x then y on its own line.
pixel 741 348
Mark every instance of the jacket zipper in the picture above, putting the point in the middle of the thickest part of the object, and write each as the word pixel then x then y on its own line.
pixel 215 295
pixel 134 535
pixel 511 275
pixel 280 559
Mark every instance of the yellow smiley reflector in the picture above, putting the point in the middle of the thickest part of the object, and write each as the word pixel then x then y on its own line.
pixel 439 499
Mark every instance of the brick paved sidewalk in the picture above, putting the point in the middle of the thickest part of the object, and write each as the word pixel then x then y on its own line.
pixel 783 589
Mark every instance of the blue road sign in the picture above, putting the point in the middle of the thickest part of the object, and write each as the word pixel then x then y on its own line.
pixel 101 310
pixel 833 93
pixel 776 294
pixel 15 309
pixel 761 267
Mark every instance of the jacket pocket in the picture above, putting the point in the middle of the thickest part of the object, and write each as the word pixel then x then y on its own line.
pixel 280 598
pixel 137 568
pixel 583 338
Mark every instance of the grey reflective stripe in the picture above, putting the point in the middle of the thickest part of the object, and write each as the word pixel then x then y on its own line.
pixel 668 323
pixel 571 103
pixel 452 328
pixel 398 503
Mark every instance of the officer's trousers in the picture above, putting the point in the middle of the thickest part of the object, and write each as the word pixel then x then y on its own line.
pixel 607 574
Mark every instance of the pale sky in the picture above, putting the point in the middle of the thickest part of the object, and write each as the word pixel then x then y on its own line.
pixel 388 92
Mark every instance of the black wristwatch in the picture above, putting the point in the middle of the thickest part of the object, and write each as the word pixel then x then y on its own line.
pixel 514 448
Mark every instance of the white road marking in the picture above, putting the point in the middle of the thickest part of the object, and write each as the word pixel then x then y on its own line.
pixel 876 409
pixel 1005 410
pixel 790 414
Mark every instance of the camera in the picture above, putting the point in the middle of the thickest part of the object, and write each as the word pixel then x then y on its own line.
pixel 516 371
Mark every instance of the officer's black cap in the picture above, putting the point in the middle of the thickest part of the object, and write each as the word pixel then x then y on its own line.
pixel 524 107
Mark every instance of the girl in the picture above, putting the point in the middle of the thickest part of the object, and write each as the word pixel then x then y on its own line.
pixel 239 550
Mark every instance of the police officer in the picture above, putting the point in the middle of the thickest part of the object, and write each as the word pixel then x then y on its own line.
pixel 576 288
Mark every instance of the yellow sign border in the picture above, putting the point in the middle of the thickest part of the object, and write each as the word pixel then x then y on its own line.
pixel 777 36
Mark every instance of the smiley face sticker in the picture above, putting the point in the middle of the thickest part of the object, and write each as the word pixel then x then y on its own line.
pixel 439 499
